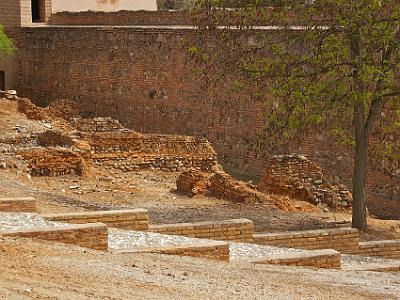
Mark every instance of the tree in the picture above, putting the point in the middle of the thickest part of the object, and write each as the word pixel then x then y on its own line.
pixel 332 63
pixel 6 47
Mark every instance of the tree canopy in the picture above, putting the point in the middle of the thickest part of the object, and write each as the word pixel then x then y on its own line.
pixel 331 63
pixel 6 46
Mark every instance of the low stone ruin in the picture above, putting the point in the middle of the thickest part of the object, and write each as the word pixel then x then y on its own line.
pixel 301 179
pixel 53 161
pixel 72 142
pixel 222 185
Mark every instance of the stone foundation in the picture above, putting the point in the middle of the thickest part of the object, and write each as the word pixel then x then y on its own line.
pixel 340 239
pixel 238 230
pixel 134 219
pixel 92 236
pixel 27 204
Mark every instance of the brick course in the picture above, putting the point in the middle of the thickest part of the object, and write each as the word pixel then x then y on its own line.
pixel 340 239
pixel 94 236
pixel 385 249
pixel 238 230
pixel 132 219
pixel 27 204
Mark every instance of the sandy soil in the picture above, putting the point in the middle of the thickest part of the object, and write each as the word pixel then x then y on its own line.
pixel 41 270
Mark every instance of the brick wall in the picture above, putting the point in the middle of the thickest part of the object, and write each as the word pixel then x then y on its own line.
pixel 386 249
pixel 238 230
pixel 10 13
pixel 92 236
pixel 212 250
pixel 27 204
pixel 141 17
pixel 143 77
pixel 329 259
pixel 340 239
pixel 132 219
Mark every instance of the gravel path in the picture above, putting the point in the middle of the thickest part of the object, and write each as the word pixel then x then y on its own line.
pixel 24 221
pixel 127 240
pixel 354 261
pixel 119 240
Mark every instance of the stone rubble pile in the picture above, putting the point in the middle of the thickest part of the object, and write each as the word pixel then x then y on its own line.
pixel 9 94
pixel 225 186
pixel 193 182
pixel 219 184
pixel 296 176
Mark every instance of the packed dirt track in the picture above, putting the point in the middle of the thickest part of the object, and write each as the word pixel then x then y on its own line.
pixel 40 270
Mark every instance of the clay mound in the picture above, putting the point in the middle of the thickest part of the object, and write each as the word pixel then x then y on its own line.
pixel 32 111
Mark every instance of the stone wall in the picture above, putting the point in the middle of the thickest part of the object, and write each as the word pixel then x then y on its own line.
pixel 385 249
pixel 27 204
pixel 340 239
pixel 92 236
pixel 296 176
pixel 329 259
pixel 133 219
pixel 212 250
pixel 141 17
pixel 238 230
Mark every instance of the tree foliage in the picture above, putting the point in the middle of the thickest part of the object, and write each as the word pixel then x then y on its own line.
pixel 6 46
pixel 323 63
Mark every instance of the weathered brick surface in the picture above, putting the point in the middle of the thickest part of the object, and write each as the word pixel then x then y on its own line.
pixel 94 236
pixel 340 239
pixel 132 219
pixel 238 230
pixel 212 250
pixel 386 249
pixel 27 204
pixel 329 259
pixel 143 77
pixel 10 13
pixel 142 17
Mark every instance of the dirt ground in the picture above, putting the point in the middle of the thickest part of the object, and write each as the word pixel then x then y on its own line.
pixel 41 270
pixel 155 191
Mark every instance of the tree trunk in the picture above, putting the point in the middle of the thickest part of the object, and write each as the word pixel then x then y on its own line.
pixel 359 220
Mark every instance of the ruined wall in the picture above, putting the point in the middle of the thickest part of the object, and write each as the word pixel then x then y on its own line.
pixel 143 78
pixel 300 178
